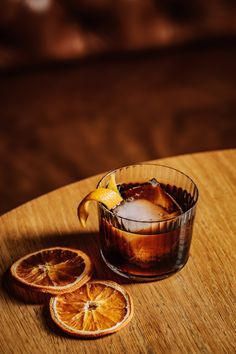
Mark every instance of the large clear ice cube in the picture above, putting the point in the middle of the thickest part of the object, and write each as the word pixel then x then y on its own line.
pixel 146 203
pixel 153 192
pixel 141 210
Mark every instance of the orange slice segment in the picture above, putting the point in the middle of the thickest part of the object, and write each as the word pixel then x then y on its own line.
pixel 106 196
pixel 50 271
pixel 96 309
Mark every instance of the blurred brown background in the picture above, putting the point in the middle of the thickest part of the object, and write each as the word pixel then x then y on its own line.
pixel 88 86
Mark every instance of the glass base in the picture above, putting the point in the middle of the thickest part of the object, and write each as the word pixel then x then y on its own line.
pixel 140 278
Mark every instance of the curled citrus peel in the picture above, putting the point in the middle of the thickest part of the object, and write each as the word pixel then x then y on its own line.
pixel 112 184
pixel 109 196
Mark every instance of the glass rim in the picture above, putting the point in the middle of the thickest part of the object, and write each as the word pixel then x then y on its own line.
pixel 150 221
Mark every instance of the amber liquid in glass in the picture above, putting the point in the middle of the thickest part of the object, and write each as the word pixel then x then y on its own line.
pixel 154 249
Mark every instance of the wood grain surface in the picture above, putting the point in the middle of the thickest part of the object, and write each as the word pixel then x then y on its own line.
pixel 191 312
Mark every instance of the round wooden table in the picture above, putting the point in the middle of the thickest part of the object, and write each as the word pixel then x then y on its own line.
pixel 193 311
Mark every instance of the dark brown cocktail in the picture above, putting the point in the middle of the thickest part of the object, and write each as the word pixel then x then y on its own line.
pixel 148 235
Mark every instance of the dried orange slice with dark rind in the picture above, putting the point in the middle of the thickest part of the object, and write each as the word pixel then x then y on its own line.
pixel 96 309
pixel 49 272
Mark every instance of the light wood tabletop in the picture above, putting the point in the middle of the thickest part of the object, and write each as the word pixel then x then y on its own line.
pixel 192 311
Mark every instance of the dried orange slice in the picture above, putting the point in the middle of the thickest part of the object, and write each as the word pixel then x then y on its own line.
pixel 96 309
pixel 50 271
